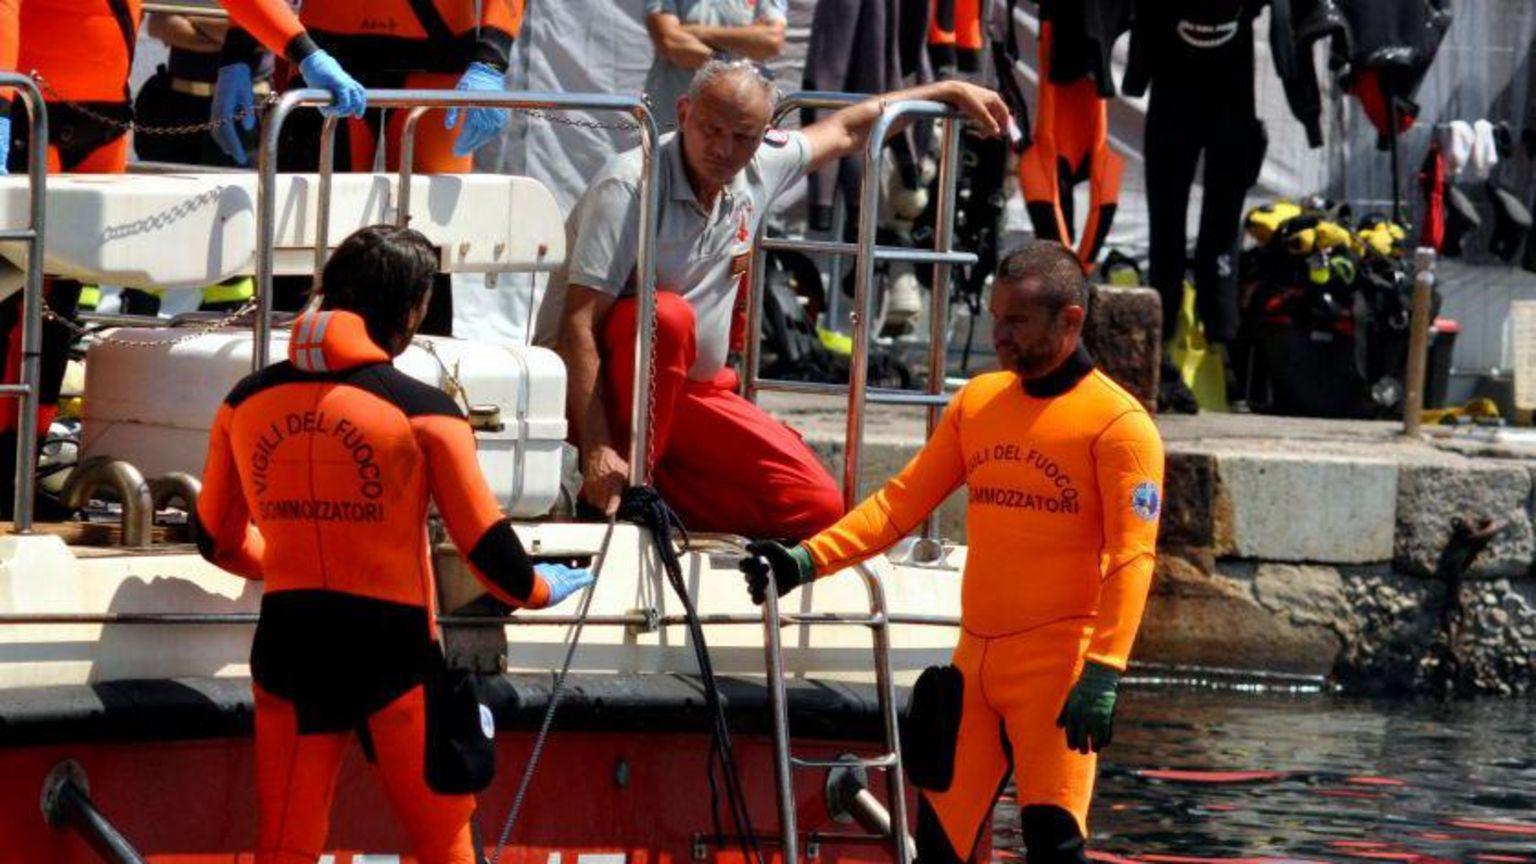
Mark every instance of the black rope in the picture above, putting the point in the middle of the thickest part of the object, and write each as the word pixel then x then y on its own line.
pixel 644 506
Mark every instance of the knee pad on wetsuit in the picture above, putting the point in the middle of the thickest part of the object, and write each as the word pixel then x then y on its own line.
pixel 930 728
pixel 1051 836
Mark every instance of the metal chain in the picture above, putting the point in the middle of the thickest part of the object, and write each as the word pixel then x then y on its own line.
pixel 256 109
pixel 455 388
pixel 192 331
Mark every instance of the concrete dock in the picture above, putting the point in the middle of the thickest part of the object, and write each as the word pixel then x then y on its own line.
pixel 1307 546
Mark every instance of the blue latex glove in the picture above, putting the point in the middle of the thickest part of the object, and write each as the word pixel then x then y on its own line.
pixel 322 71
pixel 480 124
pixel 563 581
pixel 231 96
pixel 5 141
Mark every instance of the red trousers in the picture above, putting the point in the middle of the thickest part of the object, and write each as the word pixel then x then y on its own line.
pixel 296 778
pixel 720 461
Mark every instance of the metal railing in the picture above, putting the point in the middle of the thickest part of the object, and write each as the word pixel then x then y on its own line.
pixel 419 102
pixel 867 254
pixel 28 389
pixel 784 761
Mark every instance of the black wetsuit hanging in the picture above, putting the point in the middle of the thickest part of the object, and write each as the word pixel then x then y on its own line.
pixel 1198 57
pixel 1392 44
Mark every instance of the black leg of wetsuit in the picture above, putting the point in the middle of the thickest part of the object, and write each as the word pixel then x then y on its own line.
pixel 1172 151
pixel 1051 836
pixel 1230 156
pixel 933 846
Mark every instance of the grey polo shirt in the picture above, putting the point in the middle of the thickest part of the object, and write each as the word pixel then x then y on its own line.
pixel 666 82
pixel 700 254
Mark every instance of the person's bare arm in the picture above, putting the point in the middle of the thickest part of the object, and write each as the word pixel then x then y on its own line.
pixel 846 131
pixel 675 43
pixel 759 41
pixel 186 33
pixel 604 470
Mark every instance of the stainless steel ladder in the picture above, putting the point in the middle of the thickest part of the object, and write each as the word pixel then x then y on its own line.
pixel 28 389
pixel 866 254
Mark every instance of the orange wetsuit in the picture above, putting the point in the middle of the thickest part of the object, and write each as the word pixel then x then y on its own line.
pixel 1071 145
pixel 1064 476
pixel 954 34
pixel 318 478
pixel 417 44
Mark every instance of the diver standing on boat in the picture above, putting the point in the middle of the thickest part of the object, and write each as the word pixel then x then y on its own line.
pixel 720 461
pixel 318 477
pixel 1064 471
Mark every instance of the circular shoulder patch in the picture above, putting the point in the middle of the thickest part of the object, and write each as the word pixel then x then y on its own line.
pixel 776 137
pixel 1146 501
pixel 487 722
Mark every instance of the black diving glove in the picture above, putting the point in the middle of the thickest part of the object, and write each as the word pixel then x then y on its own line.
pixel 791 565
pixel 1089 713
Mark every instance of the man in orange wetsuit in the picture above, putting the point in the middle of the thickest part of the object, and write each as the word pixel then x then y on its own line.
pixel 83 52
pixel 1064 473
pixel 318 477
pixel 415 44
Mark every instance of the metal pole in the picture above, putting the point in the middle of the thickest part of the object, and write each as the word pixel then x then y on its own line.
pixel 323 198
pixel 751 360
pixel 266 214
pixel 778 707
pixel 645 329
pixel 885 686
pixel 407 165
pixel 66 804
pixel 938 312
pixel 1418 340
pixel 31 301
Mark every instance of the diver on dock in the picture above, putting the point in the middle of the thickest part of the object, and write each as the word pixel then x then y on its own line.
pixel 720 461
pixel 1064 471
pixel 319 473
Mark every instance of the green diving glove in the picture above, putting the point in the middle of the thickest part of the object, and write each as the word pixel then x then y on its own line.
pixel 1089 714
pixel 791 565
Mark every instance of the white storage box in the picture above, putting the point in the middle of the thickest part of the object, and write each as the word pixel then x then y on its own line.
pixel 117 229
pixel 150 397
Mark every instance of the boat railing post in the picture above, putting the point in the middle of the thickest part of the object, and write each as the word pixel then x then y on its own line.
pixel 938 311
pixel 323 198
pixel 407 166
pixel 28 389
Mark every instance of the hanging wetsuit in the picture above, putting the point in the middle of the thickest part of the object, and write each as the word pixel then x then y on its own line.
pixel 1198 57
pixel 413 44
pixel 1064 478
pixel 318 477
pixel 1392 44
pixel 954 36
pixel 1071 129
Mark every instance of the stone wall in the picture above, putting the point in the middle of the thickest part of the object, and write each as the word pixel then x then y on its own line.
pixel 1326 564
